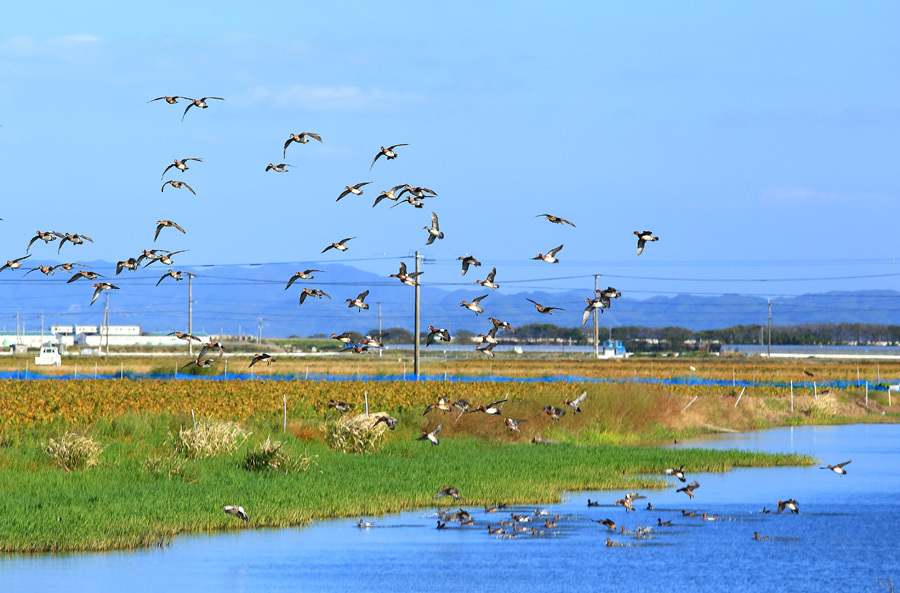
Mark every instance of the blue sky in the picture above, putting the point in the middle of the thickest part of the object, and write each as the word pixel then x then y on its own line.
pixel 758 141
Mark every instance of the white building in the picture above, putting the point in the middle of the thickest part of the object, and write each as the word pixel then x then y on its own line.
pixel 91 336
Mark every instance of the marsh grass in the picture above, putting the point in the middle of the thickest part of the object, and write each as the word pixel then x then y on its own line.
pixel 353 434
pixel 209 438
pixel 74 452
pixel 268 456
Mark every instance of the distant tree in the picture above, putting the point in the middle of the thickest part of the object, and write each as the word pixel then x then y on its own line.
pixel 395 335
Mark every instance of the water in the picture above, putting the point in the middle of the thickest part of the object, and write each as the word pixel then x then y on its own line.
pixel 844 539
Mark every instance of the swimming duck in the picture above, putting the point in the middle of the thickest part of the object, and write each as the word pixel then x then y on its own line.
pixel 212 347
pixel 542 309
pixel 389 421
pixel 661 523
pixel 75 239
pixel 687 514
pixel 184 336
pixel 441 525
pixel 467 261
pixel 593 504
pixel 706 517
pixel 789 504
pixel 358 301
pixel 575 404
pixel 201 103
pixel 757 537
pixel 447 491
pixel 237 511
pixel 15 264
pixel 181 165
pixel 45 270
pixel 838 469
pixel 352 189
pixel 434 232
pixel 550 257
pixel 643 237
pixel 304 275
pixel 689 489
pixel 313 292
pixel 405 277
pixel 260 357
pixel 177 185
pixel 487 350
pixel 388 153
pixel 279 168
pixel 128 264
pixel 611 544
pixel 473 306
pixel 45 236
pixel 345 337
pixel 643 532
pixel 389 194
pixel 555 413
pixel 364 524
pixel 340 406
pixel 160 224
pixel 100 287
pixel 495 530
pixel 520 518
pixel 502 324
pixel 339 245
pixel 301 138
pixel 555 219
pixel 441 405
pixel 431 436
pixel 170 100
pixel 608 523
pixel 439 333
pixel 650 507
pixel 491 337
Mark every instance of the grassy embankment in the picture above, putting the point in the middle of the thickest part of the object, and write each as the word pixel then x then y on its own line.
pixel 147 487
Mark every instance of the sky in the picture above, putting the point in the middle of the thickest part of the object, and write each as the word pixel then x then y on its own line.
pixel 756 140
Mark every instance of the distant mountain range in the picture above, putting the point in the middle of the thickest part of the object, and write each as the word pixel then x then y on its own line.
pixel 232 299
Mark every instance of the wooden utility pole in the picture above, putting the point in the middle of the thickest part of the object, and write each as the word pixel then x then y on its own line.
pixel 190 314
pixel 596 322
pixel 417 326
pixel 769 348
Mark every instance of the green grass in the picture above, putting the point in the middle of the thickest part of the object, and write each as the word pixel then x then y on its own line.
pixel 143 493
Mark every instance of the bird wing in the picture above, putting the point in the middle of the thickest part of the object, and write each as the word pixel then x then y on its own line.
pixel 343 193
pixel 843 464
pixel 437 430
pixel 434 221
pixel 641 243
pixel 291 281
pixel 587 313
pixel 96 294
pixel 554 251
pixel 302 297
pixel 362 296
pixel 567 221
pixel 375 159
pixel 342 241
pixel 431 239
pixel 577 401
pixel 189 188
pixel 191 104
pixel 166 169
pixel 478 300
pixel 286 144
pixel 393 146
pixel 359 185
pixel 161 279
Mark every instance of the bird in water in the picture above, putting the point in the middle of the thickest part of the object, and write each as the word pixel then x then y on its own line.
pixel 555 219
pixel 301 138
pixel 643 237
pixel 388 153
pixel 201 103
pixel 838 469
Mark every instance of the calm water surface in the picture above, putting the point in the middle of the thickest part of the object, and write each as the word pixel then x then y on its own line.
pixel 845 537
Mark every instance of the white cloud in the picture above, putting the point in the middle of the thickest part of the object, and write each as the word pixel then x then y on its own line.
pixel 804 194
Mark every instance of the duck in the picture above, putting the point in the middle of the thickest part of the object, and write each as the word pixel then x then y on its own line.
pixel 520 518
pixel 537 532
pixel 365 524
pixel 201 103
pixel 388 195
pixel 388 153
pixel 202 363
pixel 181 165
pixel 431 437
pixel 447 491
pixel 495 530
pixel 608 523
pixel 643 532
pixel 549 257
pixel 212 347
pixel 304 275
pixel 513 425
pixel 555 219
pixel 279 168
pixel 678 472
pixel 474 305
pixel 352 189
pixel 598 304
pixel 575 404
pixel 340 406
pixel 625 502
pixel 127 264
pixel 593 503
pixel 389 421
pixel 493 408
pixel 417 192
pixel 650 507
pixel 706 517
pixel 461 405
pixel 489 281
pixel 177 275
pixel 15 264
pixel 100 287
pixel 165 258
pixel 345 337
pixel 759 538
pixel 45 270
pixel 170 100
pixel 467 261
pixel 542 309
pixel 643 237
pixel 262 357
pixel 789 504
pixel 609 293
pixel 374 341
pixel 313 292
pixel 67 267
pixel 358 301
pixel 611 544
pixel 45 236
pixel 491 337
pixel 442 405
pixel 237 511
pixel 177 185
pixel 301 138
pixel 553 412
pixel 502 324
pixel 487 350
pixel 838 469
pixel 434 232
pixel 687 514
pixel 439 333
pixel 410 199
pixel 405 277
pixel 661 523
pixel 184 336
pixel 73 238
pixel 339 245
pixel 441 525
pixel 161 224
pixel 689 489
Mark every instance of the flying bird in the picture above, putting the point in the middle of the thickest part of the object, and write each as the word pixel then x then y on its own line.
pixel 237 511
pixel 439 333
pixel 491 337
pixel 467 261
pixel 211 347
pixel 313 292
pixel 431 436
pixel 160 224
pixel 389 194
pixel 45 270
pixel 340 406
pixel 201 103
pixel 689 489
pixel 302 138
pixel 542 309
pixel 447 491
pixel 575 404
pixel 181 165
pixel 598 303
pixel 345 337
pixel 304 275
pixel 406 278
pixel 555 219
pixel 170 100
pixel 502 324
pixel 417 192
pixel 279 168
pixel 789 504
pixel 489 281
pixel 339 245
pixel 354 189
pixel 100 287
pixel 474 306
pixel 45 236
pixel 643 237
pixel 177 275
pixel 128 264
pixel 555 413
pixel 15 264
pixel 388 153
pixel 389 421
pixel 434 232
pixel 358 301
pixel 185 336
pixel 550 257
pixel 838 469
pixel 177 185
pixel 74 239
pixel 262 357
pixel 486 350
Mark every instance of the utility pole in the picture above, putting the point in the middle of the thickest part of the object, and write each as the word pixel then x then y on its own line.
pixel 769 348
pixel 18 335
pixel 42 329
pixel 379 328
pixel 596 323
pixel 190 314
pixel 106 322
pixel 416 332
pixel 259 326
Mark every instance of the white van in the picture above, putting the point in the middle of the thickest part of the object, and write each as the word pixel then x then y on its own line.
pixel 49 356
